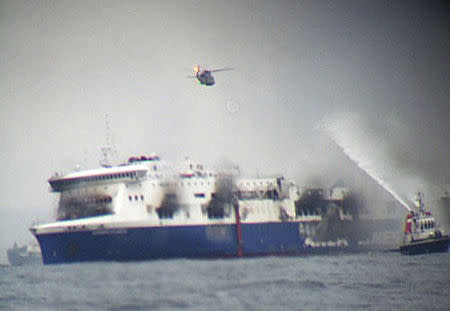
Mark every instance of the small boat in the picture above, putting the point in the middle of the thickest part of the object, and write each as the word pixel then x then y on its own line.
pixel 422 234
pixel 24 255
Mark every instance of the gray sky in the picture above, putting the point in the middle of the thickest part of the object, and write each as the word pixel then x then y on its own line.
pixel 64 64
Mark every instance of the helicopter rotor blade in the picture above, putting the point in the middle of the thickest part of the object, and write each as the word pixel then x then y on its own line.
pixel 221 69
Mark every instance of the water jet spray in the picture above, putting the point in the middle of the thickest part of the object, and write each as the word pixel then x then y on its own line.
pixel 345 143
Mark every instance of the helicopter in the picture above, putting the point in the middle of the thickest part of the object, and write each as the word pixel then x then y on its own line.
pixel 204 76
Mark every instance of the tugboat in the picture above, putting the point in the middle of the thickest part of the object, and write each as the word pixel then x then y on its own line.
pixel 422 234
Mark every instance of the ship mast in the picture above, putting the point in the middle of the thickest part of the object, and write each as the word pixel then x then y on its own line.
pixel 108 151
pixel 420 204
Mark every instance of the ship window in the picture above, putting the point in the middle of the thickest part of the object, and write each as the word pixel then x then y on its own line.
pixel 130 198
pixel 199 195
pixel 142 197
pixel 136 197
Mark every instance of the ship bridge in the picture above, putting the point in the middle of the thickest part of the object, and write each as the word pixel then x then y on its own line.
pixel 135 169
pixel 98 176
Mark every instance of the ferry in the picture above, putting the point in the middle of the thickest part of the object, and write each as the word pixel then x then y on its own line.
pixel 422 235
pixel 145 209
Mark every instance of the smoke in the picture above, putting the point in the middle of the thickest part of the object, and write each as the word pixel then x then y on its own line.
pixel 170 201
pixel 80 207
pixel 221 203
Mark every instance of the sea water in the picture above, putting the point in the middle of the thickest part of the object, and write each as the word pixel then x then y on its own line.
pixel 369 281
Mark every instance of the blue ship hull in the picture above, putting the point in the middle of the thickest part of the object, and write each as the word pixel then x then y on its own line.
pixel 146 243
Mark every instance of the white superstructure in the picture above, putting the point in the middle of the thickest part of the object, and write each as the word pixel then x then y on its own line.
pixel 146 192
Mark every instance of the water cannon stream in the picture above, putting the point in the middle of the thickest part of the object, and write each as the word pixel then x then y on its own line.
pixel 348 146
